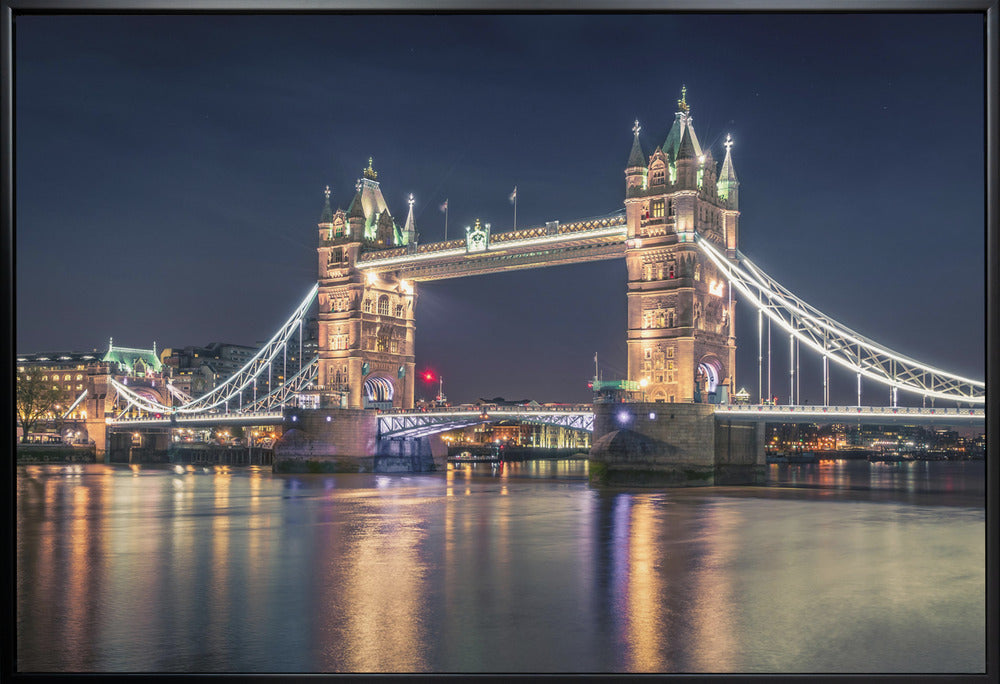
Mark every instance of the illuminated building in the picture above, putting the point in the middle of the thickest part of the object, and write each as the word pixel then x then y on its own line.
pixel 680 311
pixel 365 327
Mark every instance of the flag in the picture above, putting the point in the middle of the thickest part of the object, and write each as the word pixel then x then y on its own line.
pixel 513 195
pixel 444 207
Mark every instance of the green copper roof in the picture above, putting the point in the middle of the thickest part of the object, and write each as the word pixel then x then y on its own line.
pixel 356 210
pixel 132 360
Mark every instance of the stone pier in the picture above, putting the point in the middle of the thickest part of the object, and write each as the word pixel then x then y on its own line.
pixel 673 445
pixel 346 440
pixel 327 440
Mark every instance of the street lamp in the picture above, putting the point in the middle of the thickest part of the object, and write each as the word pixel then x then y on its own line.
pixel 642 384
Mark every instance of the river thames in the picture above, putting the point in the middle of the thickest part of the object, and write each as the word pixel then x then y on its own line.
pixel 833 567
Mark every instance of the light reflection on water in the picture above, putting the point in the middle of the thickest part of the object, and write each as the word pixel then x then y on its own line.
pixel 835 567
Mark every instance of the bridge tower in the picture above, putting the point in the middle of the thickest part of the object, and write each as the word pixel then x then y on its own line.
pixel 681 343
pixel 366 323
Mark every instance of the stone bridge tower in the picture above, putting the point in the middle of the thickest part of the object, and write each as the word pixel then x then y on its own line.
pixel 681 343
pixel 366 326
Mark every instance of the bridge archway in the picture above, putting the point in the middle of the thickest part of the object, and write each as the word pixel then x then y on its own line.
pixel 710 373
pixel 378 392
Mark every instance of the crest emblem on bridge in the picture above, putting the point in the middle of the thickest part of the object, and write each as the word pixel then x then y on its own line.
pixel 477 239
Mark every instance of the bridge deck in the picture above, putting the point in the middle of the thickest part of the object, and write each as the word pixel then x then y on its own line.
pixel 570 243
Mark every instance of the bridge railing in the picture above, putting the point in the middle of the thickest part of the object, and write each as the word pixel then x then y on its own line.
pixel 486 408
pixel 772 409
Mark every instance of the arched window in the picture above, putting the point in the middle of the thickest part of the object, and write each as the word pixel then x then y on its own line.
pixel 383 305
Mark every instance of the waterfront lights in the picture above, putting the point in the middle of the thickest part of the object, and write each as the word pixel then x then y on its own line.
pixel 624 417
pixel 652 416
pixel 328 419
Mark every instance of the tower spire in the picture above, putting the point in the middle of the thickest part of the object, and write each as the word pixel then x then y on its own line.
pixel 682 104
pixel 728 185
pixel 409 229
pixel 370 173
pixel 636 159
pixel 327 216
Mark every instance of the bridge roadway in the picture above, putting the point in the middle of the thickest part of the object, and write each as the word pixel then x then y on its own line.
pixel 419 423
pixel 423 422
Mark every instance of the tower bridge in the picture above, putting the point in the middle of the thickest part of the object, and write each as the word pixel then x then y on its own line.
pixel 678 234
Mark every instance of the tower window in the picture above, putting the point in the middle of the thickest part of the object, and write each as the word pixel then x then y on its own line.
pixel 399 311
pixel 368 306
pixel 657 208
pixel 383 305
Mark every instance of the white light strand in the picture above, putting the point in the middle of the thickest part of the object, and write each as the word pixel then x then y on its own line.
pixel 798 317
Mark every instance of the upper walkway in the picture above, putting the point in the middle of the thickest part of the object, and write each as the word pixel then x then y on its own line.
pixel 553 244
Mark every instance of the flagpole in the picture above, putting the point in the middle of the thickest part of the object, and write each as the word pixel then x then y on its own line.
pixel 515 207
pixel 446 220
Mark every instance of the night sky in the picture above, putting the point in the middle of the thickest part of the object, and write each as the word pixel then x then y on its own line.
pixel 170 174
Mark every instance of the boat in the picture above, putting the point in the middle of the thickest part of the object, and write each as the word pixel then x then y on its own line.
pixel 794 457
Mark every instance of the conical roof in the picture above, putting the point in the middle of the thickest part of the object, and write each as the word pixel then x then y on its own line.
pixel 686 149
pixel 728 173
pixel 356 210
pixel 636 158
pixel 327 216
pixel 410 227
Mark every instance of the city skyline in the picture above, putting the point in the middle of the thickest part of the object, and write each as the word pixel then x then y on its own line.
pixel 150 177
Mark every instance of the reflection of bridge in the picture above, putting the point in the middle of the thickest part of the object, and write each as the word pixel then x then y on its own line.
pixel 678 235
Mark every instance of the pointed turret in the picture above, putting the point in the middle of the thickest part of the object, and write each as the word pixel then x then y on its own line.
pixel 686 149
pixel 327 215
pixel 409 229
pixel 636 159
pixel 355 210
pixel 635 172
pixel 687 162
pixel 728 186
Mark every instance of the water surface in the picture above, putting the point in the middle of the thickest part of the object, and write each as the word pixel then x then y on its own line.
pixel 835 567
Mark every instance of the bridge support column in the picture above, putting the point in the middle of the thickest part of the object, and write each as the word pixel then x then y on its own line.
pixel 326 440
pixel 404 455
pixel 673 445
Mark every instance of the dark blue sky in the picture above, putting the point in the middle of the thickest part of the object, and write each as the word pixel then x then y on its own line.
pixel 170 173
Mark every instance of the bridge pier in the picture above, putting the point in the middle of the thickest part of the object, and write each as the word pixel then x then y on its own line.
pixel 404 455
pixel 152 446
pixel 673 445
pixel 327 440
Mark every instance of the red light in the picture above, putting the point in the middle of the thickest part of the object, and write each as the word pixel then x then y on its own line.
pixel 429 376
